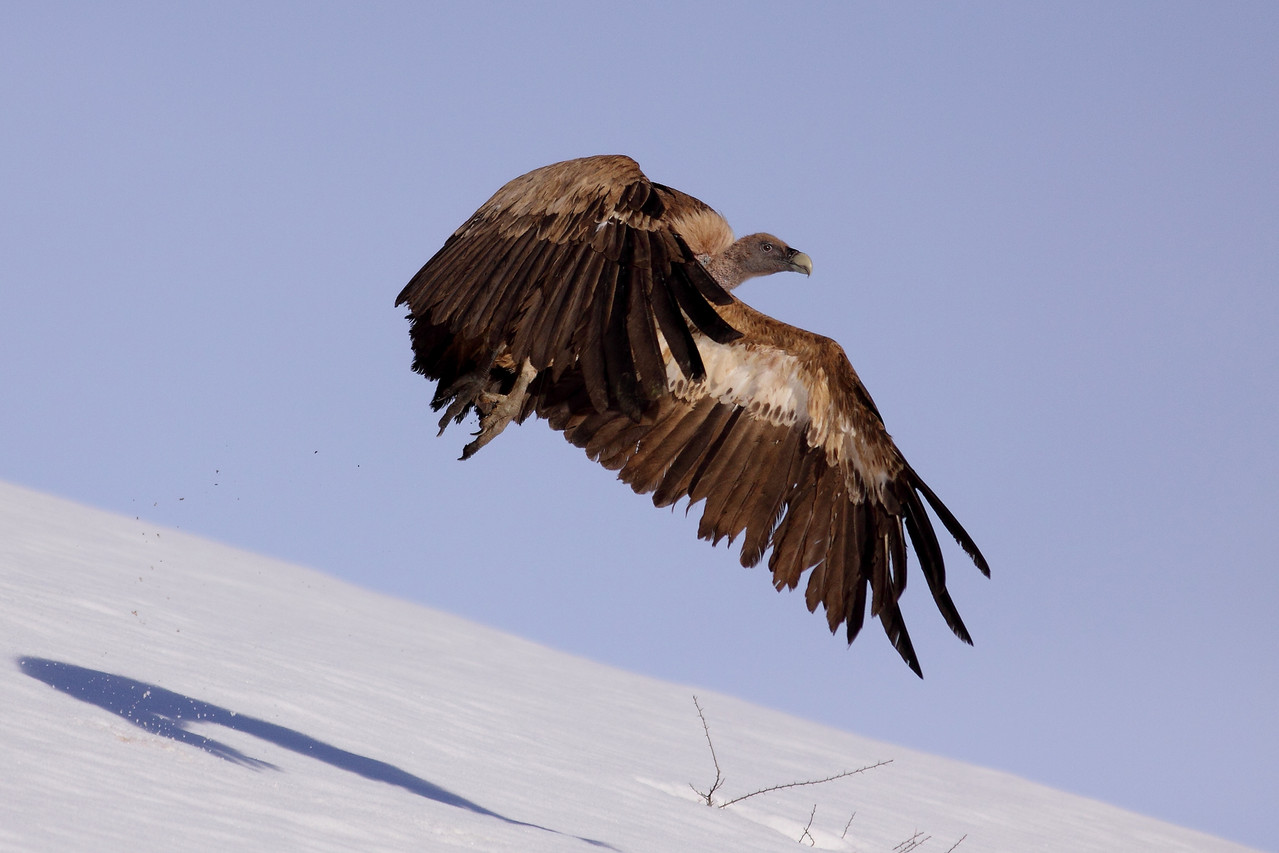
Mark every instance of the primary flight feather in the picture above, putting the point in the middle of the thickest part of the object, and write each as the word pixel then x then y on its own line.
pixel 590 296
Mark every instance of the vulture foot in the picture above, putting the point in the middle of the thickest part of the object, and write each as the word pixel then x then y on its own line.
pixel 467 391
pixel 498 410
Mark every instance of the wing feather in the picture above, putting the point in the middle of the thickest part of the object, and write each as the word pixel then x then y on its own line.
pixel 687 459
pixel 727 481
pixel 646 469
pixel 477 321
pixel 501 314
pixel 619 360
pixel 807 473
pixel 593 357
pixel 670 322
pixel 765 515
pixel 580 262
pixel 640 324
pixel 566 340
pixel 800 539
pixel 756 500
pixel 687 285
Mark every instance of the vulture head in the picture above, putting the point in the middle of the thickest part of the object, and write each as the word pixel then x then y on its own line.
pixel 755 255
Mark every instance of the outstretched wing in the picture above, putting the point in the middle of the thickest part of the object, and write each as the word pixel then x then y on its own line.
pixel 782 442
pixel 582 264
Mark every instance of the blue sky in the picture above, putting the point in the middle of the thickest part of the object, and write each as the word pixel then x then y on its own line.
pixel 1048 238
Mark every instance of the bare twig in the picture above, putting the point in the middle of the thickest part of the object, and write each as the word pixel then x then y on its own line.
pixel 850 823
pixel 957 843
pixel 772 788
pixel 708 796
pixel 812 842
pixel 912 843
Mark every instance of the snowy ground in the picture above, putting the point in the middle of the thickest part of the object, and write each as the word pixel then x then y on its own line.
pixel 164 692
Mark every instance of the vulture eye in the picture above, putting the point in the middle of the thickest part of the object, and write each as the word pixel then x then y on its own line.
pixel 767 247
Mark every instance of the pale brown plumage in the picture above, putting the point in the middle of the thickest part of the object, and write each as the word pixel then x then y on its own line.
pixel 590 296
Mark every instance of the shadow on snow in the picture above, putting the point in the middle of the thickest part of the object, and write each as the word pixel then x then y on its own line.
pixel 167 714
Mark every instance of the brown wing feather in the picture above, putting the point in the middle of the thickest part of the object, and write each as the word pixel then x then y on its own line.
pixel 584 260
pixel 826 490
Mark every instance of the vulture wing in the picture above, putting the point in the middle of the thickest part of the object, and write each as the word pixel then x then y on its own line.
pixel 582 263
pixel 784 445
pixel 582 292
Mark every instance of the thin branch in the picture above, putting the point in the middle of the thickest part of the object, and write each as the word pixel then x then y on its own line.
pixel 912 843
pixel 957 843
pixel 850 823
pixel 802 784
pixel 719 777
pixel 812 842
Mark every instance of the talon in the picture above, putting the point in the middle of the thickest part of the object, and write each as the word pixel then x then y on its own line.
pixel 502 409
pixel 462 394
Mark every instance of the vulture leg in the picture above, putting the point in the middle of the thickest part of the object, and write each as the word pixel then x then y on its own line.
pixel 499 409
pixel 463 392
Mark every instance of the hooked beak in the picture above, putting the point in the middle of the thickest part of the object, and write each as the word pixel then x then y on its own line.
pixel 800 262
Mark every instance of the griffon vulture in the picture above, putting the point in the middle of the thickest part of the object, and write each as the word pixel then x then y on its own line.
pixel 601 301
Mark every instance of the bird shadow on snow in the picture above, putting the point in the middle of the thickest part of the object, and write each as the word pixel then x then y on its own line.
pixel 165 713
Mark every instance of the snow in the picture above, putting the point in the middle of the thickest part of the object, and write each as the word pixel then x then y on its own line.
pixel 163 691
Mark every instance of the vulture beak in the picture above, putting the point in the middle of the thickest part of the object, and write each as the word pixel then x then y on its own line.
pixel 800 262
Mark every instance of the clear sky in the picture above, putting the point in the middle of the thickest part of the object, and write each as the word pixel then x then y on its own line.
pixel 1048 238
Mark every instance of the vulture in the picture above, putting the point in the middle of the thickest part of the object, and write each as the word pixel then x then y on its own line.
pixel 588 295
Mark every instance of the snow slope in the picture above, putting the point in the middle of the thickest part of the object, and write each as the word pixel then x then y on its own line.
pixel 164 692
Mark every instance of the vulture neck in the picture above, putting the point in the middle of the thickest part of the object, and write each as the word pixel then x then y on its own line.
pixel 728 268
